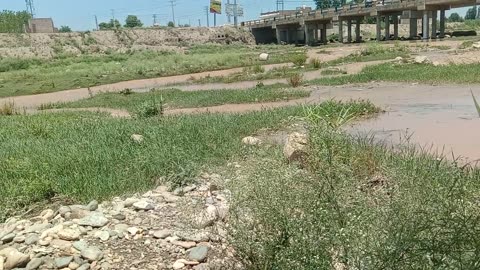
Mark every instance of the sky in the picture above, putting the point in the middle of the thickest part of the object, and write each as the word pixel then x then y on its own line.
pixel 80 14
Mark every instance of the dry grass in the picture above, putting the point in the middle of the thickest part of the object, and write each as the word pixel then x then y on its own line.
pixel 9 108
pixel 295 80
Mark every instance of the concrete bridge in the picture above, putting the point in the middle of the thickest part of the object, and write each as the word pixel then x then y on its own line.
pixel 311 25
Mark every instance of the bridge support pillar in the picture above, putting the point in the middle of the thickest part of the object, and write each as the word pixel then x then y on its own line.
pixel 349 31
pixel 315 36
pixel 434 24
pixel 379 28
pixel 278 34
pixel 387 27
pixel 425 25
pixel 442 23
pixel 395 27
pixel 340 31
pixel 413 27
pixel 357 30
pixel 308 39
pixel 324 34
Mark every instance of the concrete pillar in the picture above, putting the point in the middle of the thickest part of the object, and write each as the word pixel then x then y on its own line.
pixel 434 24
pixel 295 35
pixel 413 28
pixel 324 34
pixel 279 35
pixel 379 28
pixel 425 24
pixel 315 36
pixel 287 36
pixel 395 27
pixel 340 31
pixel 387 27
pixel 349 31
pixel 357 31
pixel 442 23
pixel 308 39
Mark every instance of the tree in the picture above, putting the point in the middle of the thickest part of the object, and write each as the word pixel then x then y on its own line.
pixel 65 29
pixel 133 21
pixel 322 4
pixel 13 22
pixel 455 17
pixel 171 24
pixel 471 14
pixel 110 25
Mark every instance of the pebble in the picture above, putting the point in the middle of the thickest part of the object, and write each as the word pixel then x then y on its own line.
pixel 95 220
pixel 92 254
pixel 92 206
pixel 47 214
pixel 133 230
pixel 143 205
pixel 31 239
pixel 178 265
pixel 102 235
pixel 198 254
pixel 19 239
pixel 162 234
pixel 63 261
pixel 61 244
pixel 73 265
pixel 185 245
pixel 8 238
pixel 129 202
pixel 34 264
pixel 38 228
pixel 80 245
pixel 119 216
pixel 84 267
pixel 69 234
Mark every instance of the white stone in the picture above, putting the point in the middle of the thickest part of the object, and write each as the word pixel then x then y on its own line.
pixel 421 59
pixel 143 205
pixel 476 45
pixel 95 220
pixel 137 138
pixel 251 141
pixel 69 234
pixel 263 56
pixel 133 230
pixel 294 149
pixel 178 265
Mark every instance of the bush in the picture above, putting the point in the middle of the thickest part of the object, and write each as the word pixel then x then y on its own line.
pixel 8 108
pixel 299 60
pixel 150 108
pixel 316 63
pixel 295 80
pixel 126 92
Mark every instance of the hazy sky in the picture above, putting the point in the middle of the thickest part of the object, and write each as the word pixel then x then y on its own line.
pixel 79 14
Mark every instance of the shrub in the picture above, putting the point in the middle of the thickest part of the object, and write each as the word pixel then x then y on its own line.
pixel 295 80
pixel 316 63
pixel 126 92
pixel 258 69
pixel 299 60
pixel 150 108
pixel 8 108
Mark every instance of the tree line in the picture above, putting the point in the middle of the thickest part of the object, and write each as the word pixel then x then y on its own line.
pixel 13 22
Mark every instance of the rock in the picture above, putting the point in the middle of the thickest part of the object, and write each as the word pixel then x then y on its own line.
pixel 63 210
pixel 47 214
pixel 185 245
pixel 45 242
pixel 69 234
pixel 73 265
pixel 263 56
pixel 84 267
pixel 137 138
pixel 121 228
pixel 92 254
pixel 102 235
pixel 80 245
pixel 435 63
pixel 61 244
pixel 133 230
pixel 208 217
pixel 8 238
pixel 170 198
pixel 189 188
pixel 19 239
pixel 38 228
pixel 202 266
pixel 162 234
pixel 187 262
pixel 295 147
pixel 178 265
pixel 476 45
pixel 14 258
pixel 448 36
pixel 31 239
pixel 129 202
pixel 34 264
pixel 421 59
pixel 92 206
pixel 198 254
pixel 78 212
pixel 195 237
pixel 143 205
pixel 119 216
pixel 251 141
pixel 398 59
pixel 63 262
pixel 95 220
pixel 1 263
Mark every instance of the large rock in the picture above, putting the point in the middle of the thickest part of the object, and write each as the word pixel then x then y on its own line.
pixel 295 147
pixel 263 56
pixel 14 258
pixel 476 45
pixel 198 254
pixel 143 205
pixel 95 220
pixel 251 141
pixel 422 60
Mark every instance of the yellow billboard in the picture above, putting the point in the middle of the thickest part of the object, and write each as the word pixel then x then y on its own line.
pixel 216 6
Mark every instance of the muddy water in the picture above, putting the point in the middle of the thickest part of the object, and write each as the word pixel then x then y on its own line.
pixel 441 119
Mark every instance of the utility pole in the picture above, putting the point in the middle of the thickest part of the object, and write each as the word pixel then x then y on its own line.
pixel 30 7
pixel 229 16
pixel 154 19
pixel 113 19
pixel 235 10
pixel 172 3
pixel 96 22
pixel 214 19
pixel 199 23
pixel 207 11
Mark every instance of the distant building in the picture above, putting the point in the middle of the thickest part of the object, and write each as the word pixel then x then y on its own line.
pixel 40 25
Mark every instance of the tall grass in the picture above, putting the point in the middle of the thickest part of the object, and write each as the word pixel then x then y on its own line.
pixel 356 205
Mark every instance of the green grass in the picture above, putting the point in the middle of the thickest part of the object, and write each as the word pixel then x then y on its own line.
pixel 183 99
pixel 32 76
pixel 356 205
pixel 410 73
pixel 373 52
pixel 65 154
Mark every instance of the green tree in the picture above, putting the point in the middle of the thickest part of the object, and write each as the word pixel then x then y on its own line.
pixel 110 25
pixel 471 14
pixel 65 29
pixel 455 17
pixel 13 22
pixel 133 21
pixel 322 4
pixel 171 24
